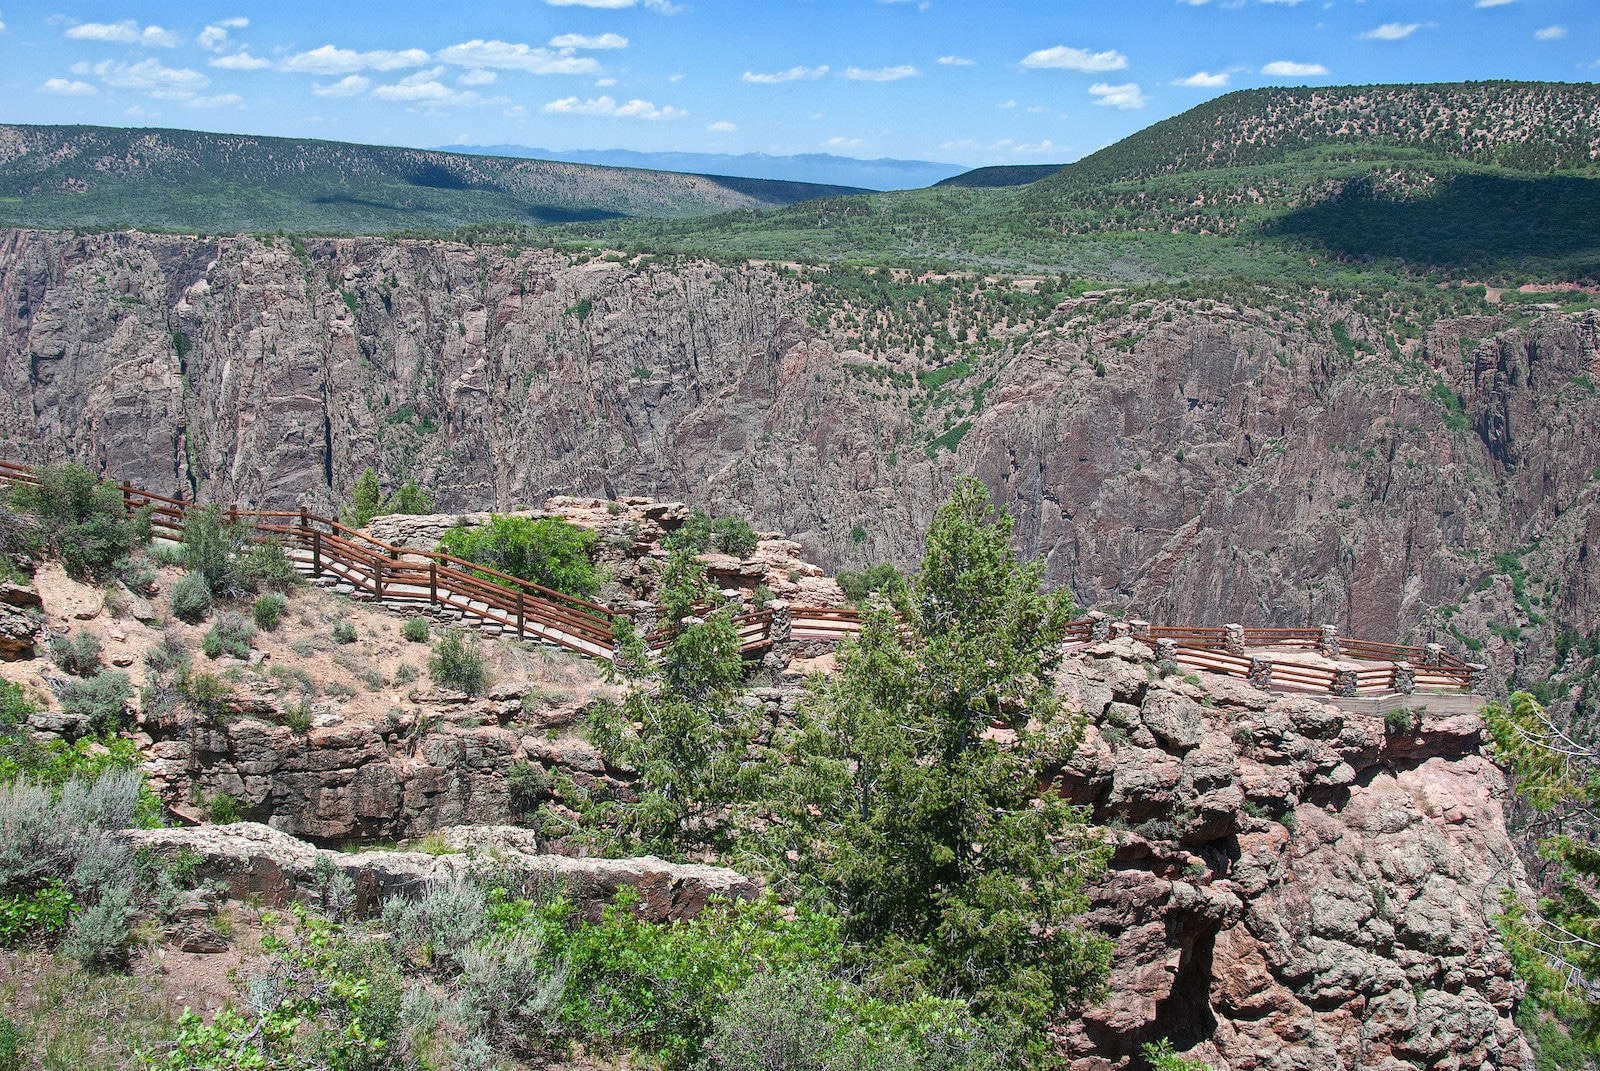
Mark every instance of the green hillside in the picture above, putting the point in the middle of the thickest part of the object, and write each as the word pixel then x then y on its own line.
pixel 1486 178
pixel 75 176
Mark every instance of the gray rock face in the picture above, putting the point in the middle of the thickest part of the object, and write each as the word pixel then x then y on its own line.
pixel 1313 485
pixel 254 860
pixel 1297 891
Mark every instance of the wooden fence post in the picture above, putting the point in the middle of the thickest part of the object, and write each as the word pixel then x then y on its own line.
pixel 521 613
pixel 316 553
pixel 433 581
pixel 127 500
pixel 377 577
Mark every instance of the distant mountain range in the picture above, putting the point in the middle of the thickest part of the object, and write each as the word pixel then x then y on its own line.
pixel 86 176
pixel 814 167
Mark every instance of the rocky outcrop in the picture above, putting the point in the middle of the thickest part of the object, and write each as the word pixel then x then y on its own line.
pixel 265 865
pixel 1292 887
pixel 1190 461
pixel 21 622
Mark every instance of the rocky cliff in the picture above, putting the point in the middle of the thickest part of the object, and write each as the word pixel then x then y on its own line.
pixel 1192 460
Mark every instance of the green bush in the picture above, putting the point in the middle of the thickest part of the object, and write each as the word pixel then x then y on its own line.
pixel 191 598
pixel 1400 722
pixel 458 665
pixel 78 655
pixel 733 535
pixel 1161 1056
pixel 415 630
pixel 168 654
pixel 268 565
pixel 693 535
pixel 526 782
pixel 269 611
pixel 211 548
pixel 859 586
pixel 230 636
pixel 35 915
pixel 550 552
pixel 100 700
pixel 367 500
pixel 344 632
pixel 80 518
pixel 224 809
pixel 98 935
pixel 137 575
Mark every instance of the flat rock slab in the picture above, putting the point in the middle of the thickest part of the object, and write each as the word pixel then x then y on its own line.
pixel 257 861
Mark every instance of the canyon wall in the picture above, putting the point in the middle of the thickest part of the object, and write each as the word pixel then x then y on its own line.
pixel 1191 462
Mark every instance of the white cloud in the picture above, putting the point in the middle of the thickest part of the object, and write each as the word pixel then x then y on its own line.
pixel 478 76
pixel 515 57
pixel 793 74
pixel 633 109
pixel 964 143
pixel 1290 69
pixel 605 81
pixel 240 61
pixel 1006 104
pixel 1123 96
pixel 1390 31
pixel 1204 80
pixel 221 100
pixel 64 88
pixel 1551 33
pixel 1493 3
pixel 1044 146
pixel 880 74
pixel 331 60
pixel 665 7
pixel 956 61
pixel 424 87
pixel 149 75
pixel 722 126
pixel 579 40
pixel 842 143
pixel 214 38
pixel 126 32
pixel 348 86
pixel 1076 59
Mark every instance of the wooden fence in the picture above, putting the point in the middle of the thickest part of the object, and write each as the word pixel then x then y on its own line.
pixel 402 578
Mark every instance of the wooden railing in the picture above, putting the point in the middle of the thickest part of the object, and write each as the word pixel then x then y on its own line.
pixel 401 576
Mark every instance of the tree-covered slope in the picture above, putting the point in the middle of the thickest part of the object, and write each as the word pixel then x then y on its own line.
pixel 1484 179
pixel 76 176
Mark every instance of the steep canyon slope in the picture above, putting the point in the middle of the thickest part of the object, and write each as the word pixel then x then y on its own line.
pixel 1275 459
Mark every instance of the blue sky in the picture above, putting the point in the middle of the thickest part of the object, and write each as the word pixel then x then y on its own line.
pixel 956 80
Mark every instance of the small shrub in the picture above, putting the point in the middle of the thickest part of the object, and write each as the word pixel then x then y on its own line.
pixel 1161 1056
pixel 36 915
pixel 224 809
pixel 230 636
pixel 693 535
pixel 760 597
pixel 100 700
pixel 79 655
pixel 1243 735
pixel 268 565
pixel 297 719
pixel 510 991
pixel 434 844
pixel 269 611
pixel 1169 668
pixel 526 782
pixel 137 575
pixel 168 655
pixel 405 674
pixel 191 598
pixel 1400 722
pixel 98 937
pixel 415 630
pixel 211 547
pixel 858 586
pixel 550 552
pixel 79 516
pixel 441 925
pixel 344 632
pixel 774 1021
pixel 733 535
pixel 170 555
pixel 205 692
pixel 458 665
